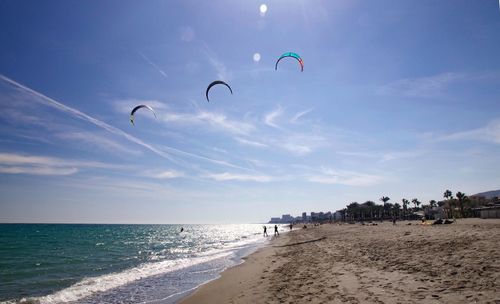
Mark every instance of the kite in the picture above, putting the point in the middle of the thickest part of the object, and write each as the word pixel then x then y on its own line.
pixel 215 83
pixel 137 108
pixel 293 55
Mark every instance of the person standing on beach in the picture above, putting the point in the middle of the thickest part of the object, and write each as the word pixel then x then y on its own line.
pixel 291 226
pixel 276 230
pixel 265 231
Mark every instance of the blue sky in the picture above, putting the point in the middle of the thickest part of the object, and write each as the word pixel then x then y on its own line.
pixel 397 98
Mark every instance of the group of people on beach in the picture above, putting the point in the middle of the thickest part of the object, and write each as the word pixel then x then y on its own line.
pixel 276 233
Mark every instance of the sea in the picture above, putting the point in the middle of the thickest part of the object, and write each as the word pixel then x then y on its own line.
pixel 87 263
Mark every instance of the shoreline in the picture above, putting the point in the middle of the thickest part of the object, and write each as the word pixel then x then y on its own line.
pixel 220 289
pixel 331 263
pixel 181 296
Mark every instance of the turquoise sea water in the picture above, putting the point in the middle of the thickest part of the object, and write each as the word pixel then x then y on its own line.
pixel 66 263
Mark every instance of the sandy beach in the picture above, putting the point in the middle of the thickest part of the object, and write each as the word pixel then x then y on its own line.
pixel 354 263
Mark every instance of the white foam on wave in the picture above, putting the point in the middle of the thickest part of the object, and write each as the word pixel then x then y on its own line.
pixel 90 286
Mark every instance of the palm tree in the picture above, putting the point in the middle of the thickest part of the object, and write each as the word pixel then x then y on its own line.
pixel 462 198
pixel 405 206
pixel 396 208
pixel 352 210
pixel 384 199
pixel 416 202
pixel 379 209
pixel 432 203
pixel 390 208
pixel 448 195
pixel 370 205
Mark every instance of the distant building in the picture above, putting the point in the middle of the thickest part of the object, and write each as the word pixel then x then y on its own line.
pixel 328 216
pixel 314 217
pixel 492 210
pixel 275 220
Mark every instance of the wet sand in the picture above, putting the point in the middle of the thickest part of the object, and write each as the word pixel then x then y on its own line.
pixel 351 263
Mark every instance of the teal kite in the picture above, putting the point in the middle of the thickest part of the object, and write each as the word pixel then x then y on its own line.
pixel 293 55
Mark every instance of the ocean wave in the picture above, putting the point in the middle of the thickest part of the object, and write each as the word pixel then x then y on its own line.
pixel 92 285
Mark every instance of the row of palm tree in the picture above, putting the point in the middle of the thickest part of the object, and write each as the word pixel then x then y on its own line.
pixel 369 210
pixel 459 206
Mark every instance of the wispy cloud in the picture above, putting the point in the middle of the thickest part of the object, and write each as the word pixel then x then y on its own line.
pixel 62 107
pixel 348 178
pixel 67 109
pixel 95 140
pixel 154 65
pixel 37 170
pixel 43 165
pixel 384 156
pixel 165 174
pixel 270 117
pixel 221 69
pixel 250 142
pixel 297 148
pixel 240 177
pixel 489 133
pixel 388 156
pixel 297 116
pixel 23 159
pixel 301 144
pixel 423 86
pixel 218 121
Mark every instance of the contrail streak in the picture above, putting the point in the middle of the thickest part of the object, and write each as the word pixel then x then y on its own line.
pixel 45 100
pixel 219 162
pixel 153 64
pixel 62 107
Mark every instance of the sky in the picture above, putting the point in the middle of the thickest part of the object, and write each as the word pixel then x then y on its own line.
pixel 397 99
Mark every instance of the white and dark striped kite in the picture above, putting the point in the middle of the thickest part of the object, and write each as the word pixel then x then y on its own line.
pixel 137 108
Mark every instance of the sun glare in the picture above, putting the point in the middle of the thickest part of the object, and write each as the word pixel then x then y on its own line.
pixel 263 10
pixel 256 57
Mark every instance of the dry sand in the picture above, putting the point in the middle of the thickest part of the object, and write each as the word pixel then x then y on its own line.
pixel 457 263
